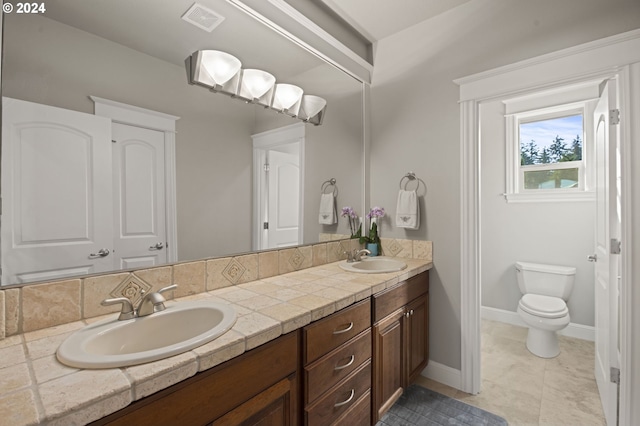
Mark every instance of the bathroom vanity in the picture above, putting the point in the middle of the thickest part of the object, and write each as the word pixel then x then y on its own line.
pixel 346 368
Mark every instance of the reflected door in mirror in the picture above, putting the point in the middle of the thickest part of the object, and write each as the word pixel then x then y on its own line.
pixel 284 199
pixel 57 217
pixel 139 197
pixel 80 196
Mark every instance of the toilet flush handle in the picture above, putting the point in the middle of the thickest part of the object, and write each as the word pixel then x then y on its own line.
pixel 592 258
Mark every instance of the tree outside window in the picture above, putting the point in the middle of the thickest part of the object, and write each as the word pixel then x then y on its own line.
pixel 547 159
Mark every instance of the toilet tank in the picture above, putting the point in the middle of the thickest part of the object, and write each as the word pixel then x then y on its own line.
pixel 547 280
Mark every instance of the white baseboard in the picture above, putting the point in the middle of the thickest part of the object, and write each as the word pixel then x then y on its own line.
pixel 578 331
pixel 443 374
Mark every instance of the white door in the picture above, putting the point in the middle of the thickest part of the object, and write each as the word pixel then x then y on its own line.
pixel 283 199
pixel 139 197
pixel 57 218
pixel 606 263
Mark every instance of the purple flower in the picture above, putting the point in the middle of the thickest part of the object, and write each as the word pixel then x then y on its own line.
pixel 376 212
pixel 348 211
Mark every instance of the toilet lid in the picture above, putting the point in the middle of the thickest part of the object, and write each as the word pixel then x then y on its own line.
pixel 544 306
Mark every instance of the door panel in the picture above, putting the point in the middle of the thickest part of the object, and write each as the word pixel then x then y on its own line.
pixel 139 206
pixel 51 155
pixel 417 337
pixel 284 199
pixel 606 299
pixel 388 362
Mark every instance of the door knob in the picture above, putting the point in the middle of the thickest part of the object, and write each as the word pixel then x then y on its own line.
pixel 101 253
pixel 158 246
pixel 592 258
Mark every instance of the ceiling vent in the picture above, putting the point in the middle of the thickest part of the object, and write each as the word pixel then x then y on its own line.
pixel 202 17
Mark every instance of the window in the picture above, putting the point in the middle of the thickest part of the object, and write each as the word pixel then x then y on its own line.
pixel 551 153
pixel 548 149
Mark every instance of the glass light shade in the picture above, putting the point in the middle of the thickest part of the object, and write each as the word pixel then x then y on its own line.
pixel 311 106
pixel 287 95
pixel 257 82
pixel 220 65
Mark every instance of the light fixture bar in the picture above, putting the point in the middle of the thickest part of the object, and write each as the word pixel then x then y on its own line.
pixel 221 72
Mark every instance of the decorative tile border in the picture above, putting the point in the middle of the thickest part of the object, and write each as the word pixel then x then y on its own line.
pixel 46 305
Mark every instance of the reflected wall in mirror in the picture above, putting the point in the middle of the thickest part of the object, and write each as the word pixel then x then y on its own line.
pixel 133 53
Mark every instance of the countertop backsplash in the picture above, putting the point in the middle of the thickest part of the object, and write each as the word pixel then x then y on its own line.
pixel 38 306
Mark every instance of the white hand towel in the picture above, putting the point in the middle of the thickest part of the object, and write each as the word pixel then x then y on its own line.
pixel 328 214
pixel 407 210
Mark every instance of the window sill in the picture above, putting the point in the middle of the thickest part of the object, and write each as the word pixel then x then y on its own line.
pixel 548 197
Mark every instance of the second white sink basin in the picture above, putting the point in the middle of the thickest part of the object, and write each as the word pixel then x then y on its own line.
pixel 374 265
pixel 180 327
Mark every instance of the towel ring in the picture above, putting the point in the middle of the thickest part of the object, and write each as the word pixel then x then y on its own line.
pixel 331 183
pixel 410 177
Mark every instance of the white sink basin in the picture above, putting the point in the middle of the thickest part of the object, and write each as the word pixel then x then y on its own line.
pixel 374 265
pixel 180 327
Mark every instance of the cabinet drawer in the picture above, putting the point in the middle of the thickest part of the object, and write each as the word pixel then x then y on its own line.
pixel 327 334
pixel 359 414
pixel 399 295
pixel 341 399
pixel 337 364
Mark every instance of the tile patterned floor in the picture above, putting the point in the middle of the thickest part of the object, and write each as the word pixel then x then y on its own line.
pixel 527 390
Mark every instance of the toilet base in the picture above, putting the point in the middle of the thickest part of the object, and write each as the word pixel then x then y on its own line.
pixel 543 343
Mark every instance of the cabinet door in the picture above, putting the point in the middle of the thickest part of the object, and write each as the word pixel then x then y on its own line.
pixel 388 362
pixel 274 406
pixel 417 340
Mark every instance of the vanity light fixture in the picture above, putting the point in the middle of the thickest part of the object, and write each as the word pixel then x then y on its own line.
pixel 311 106
pixel 221 72
pixel 257 86
pixel 287 99
pixel 216 70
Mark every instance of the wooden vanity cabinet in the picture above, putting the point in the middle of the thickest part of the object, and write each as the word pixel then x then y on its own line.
pixel 335 371
pixel 400 339
pixel 337 368
pixel 260 387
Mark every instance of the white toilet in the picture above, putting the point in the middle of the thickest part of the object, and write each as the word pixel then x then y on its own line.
pixel 543 307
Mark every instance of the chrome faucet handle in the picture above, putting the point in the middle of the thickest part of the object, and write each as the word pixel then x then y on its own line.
pixel 350 255
pixel 153 301
pixel 127 312
pixel 358 256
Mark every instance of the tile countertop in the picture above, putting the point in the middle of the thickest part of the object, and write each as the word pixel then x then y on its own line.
pixel 35 388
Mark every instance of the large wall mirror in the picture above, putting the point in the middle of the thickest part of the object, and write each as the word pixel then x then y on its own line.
pixel 133 53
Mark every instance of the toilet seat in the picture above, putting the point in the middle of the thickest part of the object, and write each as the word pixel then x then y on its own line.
pixel 543 306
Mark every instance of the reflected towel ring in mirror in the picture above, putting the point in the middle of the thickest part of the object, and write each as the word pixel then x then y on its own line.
pixel 410 177
pixel 331 183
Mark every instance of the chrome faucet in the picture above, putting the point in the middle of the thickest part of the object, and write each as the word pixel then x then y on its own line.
pixel 357 256
pixel 150 303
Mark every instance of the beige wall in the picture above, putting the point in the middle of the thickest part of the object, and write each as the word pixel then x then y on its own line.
pixel 416 120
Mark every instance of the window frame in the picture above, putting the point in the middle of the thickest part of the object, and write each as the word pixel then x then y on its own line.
pixel 515 191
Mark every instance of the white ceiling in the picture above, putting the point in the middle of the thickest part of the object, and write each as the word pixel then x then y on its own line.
pixel 377 19
pixel 154 27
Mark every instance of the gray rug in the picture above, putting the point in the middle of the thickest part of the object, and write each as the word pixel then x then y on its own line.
pixel 421 406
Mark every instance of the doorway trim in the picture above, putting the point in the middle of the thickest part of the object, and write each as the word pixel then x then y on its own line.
pixel 141 117
pixel 294 133
pixel 602 58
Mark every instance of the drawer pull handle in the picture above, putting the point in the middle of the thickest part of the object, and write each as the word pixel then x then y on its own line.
pixel 342 367
pixel 348 400
pixel 349 327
